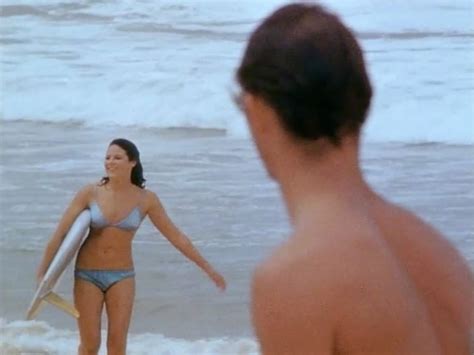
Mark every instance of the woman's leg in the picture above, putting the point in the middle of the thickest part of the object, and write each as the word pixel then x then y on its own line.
pixel 89 301
pixel 119 304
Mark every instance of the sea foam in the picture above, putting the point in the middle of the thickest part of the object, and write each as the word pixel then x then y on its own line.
pixel 172 63
pixel 36 337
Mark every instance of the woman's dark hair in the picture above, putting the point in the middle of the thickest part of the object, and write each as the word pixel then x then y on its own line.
pixel 308 66
pixel 133 155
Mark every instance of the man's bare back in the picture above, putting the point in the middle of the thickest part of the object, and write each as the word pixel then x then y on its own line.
pixel 358 275
pixel 383 282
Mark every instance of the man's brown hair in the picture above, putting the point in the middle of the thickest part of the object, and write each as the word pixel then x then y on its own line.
pixel 309 67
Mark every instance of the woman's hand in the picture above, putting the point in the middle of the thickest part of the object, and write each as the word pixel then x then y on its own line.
pixel 218 279
pixel 39 276
pixel 180 241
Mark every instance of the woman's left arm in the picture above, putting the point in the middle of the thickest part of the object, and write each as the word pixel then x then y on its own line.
pixel 178 239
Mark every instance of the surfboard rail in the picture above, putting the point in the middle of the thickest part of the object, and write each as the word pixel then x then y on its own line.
pixel 63 257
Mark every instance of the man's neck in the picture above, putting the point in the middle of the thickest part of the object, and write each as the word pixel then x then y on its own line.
pixel 308 181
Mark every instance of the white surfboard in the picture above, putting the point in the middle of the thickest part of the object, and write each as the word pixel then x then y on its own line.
pixel 66 252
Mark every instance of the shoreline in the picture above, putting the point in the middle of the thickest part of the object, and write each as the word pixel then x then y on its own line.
pixel 216 190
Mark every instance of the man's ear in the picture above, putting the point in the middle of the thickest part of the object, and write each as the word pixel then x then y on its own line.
pixel 260 115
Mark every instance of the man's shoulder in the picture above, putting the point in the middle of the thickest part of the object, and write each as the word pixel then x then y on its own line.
pixel 332 283
pixel 301 267
pixel 293 306
pixel 431 254
pixel 329 267
pixel 307 287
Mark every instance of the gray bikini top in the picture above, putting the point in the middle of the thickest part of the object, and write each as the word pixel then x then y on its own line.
pixel 130 223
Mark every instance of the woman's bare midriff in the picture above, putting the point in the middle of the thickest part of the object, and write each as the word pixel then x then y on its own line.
pixel 108 248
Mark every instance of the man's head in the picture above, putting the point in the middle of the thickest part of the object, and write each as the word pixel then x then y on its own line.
pixel 306 66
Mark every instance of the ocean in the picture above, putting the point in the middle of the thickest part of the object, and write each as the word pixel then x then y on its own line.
pixel 76 74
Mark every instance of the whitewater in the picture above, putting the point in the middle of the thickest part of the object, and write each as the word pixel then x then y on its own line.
pixel 167 63
pixel 76 74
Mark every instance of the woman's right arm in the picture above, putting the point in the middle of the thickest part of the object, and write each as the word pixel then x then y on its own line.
pixel 77 205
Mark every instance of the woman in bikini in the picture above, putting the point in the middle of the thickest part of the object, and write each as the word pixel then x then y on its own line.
pixel 104 273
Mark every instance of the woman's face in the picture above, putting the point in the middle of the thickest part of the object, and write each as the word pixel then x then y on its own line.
pixel 117 163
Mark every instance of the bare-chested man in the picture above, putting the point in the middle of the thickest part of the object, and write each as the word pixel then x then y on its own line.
pixel 359 275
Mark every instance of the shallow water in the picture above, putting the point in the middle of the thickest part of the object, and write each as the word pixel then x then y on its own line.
pixel 75 75
pixel 215 189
